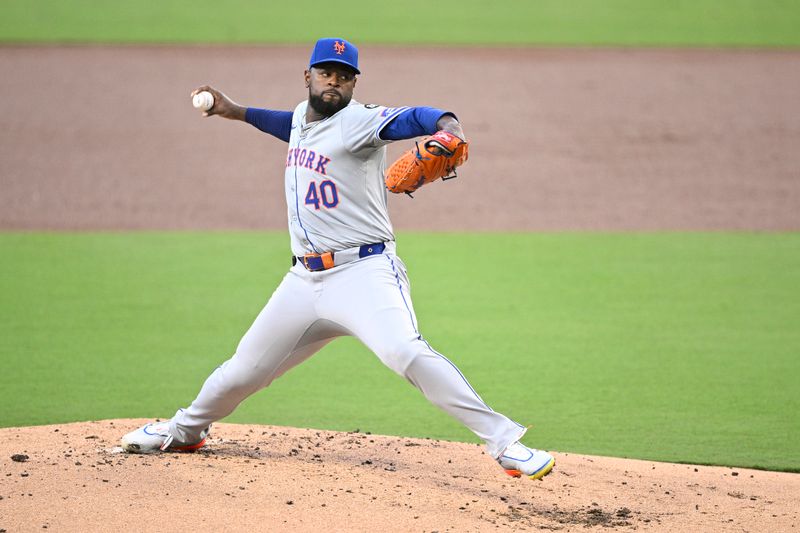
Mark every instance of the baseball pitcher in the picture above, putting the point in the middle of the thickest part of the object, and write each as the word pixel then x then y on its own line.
pixel 345 277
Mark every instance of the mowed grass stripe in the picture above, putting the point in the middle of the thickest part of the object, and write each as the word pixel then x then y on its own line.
pixel 413 22
pixel 679 347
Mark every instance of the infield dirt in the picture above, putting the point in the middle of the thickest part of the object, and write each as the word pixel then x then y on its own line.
pixel 106 138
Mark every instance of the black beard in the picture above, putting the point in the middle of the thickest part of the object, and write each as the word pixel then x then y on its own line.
pixel 326 109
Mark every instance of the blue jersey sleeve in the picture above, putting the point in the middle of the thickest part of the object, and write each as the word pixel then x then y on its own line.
pixel 277 123
pixel 413 122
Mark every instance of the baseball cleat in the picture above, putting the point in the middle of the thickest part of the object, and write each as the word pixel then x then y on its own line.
pixel 155 437
pixel 519 460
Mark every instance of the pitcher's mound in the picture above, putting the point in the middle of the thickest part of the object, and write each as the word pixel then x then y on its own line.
pixel 74 477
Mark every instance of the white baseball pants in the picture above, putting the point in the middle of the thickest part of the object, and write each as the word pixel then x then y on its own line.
pixel 369 299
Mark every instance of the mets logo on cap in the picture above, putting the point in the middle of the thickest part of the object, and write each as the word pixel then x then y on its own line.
pixel 336 50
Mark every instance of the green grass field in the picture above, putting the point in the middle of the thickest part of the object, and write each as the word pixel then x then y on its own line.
pixel 679 347
pixel 470 22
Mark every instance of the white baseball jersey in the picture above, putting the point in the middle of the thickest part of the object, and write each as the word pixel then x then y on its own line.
pixel 335 191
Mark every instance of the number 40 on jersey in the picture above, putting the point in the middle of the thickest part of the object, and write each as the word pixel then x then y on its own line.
pixel 324 195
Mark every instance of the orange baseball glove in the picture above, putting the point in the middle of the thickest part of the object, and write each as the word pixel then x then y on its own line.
pixel 438 157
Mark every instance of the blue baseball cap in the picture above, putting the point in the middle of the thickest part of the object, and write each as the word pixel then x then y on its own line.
pixel 335 50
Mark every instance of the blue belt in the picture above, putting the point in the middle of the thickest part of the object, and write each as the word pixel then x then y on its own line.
pixel 324 261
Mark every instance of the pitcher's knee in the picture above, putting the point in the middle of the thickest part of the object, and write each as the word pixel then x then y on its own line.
pixel 399 355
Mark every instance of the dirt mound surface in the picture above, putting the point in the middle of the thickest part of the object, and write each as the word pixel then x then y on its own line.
pixel 74 477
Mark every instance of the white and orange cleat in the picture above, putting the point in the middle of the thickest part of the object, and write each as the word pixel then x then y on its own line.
pixel 519 460
pixel 155 437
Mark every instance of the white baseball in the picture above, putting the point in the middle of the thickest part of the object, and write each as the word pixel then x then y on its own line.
pixel 203 100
